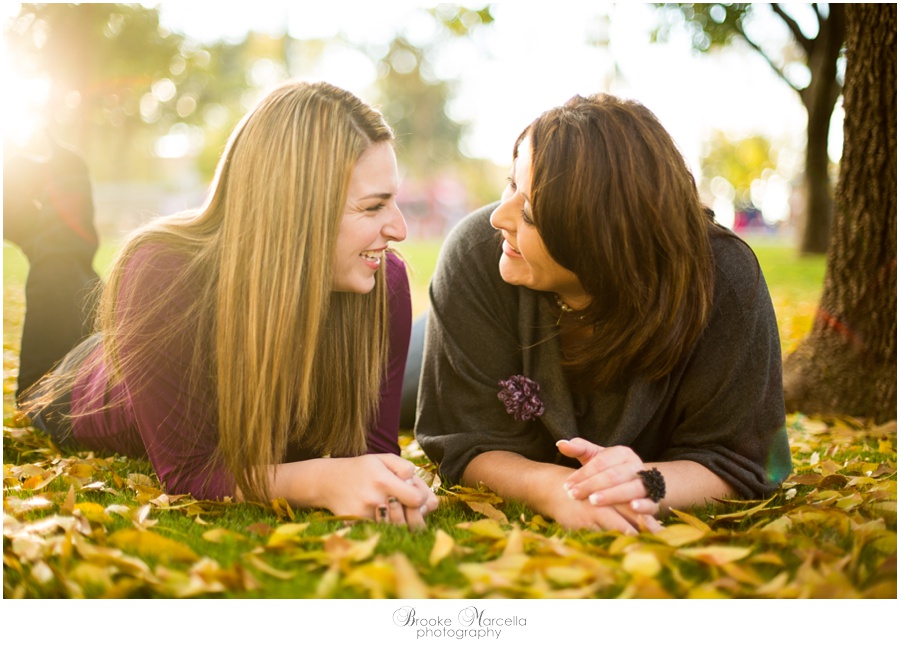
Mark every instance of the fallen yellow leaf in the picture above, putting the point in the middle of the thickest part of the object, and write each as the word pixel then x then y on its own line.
pixel 475 495
pixel 680 534
pixel 489 511
pixel 622 544
pixel 282 509
pixel 515 543
pixel 328 582
pixel 690 520
pixel 147 544
pixel 93 512
pixel 773 586
pixel 781 524
pixel 260 564
pixel 537 523
pixel 716 555
pixel 219 535
pixel 90 575
pixel 747 512
pixel 81 470
pixel 706 592
pixel 376 577
pixel 20 506
pixel 443 546
pixel 567 576
pixel 69 504
pixel 744 575
pixel 286 534
pixel 484 528
pixel 408 582
pixel 340 549
pixel 118 509
pixel 139 479
pixel 766 558
pixel 104 555
pixel 641 563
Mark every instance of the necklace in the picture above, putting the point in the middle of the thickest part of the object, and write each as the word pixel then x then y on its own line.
pixel 564 309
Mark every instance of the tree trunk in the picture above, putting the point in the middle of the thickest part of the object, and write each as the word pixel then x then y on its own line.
pixel 819 99
pixel 819 203
pixel 848 363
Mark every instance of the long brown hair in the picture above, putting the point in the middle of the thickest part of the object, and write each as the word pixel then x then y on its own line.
pixel 616 204
pixel 285 358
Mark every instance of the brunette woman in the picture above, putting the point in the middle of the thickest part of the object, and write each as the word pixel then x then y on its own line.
pixel 597 346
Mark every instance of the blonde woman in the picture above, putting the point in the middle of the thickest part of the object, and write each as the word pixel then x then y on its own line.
pixel 256 348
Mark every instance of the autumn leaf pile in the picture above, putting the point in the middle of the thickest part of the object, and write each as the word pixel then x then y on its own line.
pixel 83 526
pixel 93 526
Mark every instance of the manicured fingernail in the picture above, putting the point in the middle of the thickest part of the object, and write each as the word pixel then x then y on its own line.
pixel 571 493
pixel 635 505
pixel 409 481
pixel 566 485
pixel 595 498
pixel 423 510
pixel 562 441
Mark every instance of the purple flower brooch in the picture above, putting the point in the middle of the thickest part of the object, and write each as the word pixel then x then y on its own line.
pixel 520 396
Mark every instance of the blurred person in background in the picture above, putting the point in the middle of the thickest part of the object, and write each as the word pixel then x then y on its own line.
pixel 48 212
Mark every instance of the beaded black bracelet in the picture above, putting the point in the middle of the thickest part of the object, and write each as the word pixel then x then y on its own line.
pixel 654 482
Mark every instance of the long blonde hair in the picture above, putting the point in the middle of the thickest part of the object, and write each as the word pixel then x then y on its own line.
pixel 288 360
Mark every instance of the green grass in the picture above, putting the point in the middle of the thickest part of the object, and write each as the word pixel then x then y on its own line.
pixel 15 264
pixel 104 528
pixel 795 281
pixel 421 257
pixel 786 270
pixel 795 284
pixel 87 525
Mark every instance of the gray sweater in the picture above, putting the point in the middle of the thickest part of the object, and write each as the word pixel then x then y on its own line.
pixel 722 407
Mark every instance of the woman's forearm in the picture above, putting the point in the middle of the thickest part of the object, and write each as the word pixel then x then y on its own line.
pixel 299 483
pixel 513 476
pixel 540 486
pixel 690 484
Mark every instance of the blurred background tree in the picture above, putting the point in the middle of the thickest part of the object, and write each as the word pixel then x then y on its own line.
pixel 439 177
pixel 741 162
pixel 109 72
pixel 414 103
pixel 810 64
pixel 741 175
pixel 150 109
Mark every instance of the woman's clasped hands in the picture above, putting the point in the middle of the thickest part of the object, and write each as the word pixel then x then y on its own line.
pixel 609 480
pixel 383 487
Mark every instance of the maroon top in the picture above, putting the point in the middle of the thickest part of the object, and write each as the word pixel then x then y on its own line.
pixel 177 432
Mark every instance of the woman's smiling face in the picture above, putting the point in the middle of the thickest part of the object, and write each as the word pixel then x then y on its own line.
pixel 525 261
pixel 371 220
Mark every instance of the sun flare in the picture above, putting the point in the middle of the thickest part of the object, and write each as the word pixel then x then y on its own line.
pixel 23 104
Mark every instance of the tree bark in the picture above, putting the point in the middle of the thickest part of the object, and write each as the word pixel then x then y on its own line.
pixel 819 208
pixel 819 98
pixel 848 363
